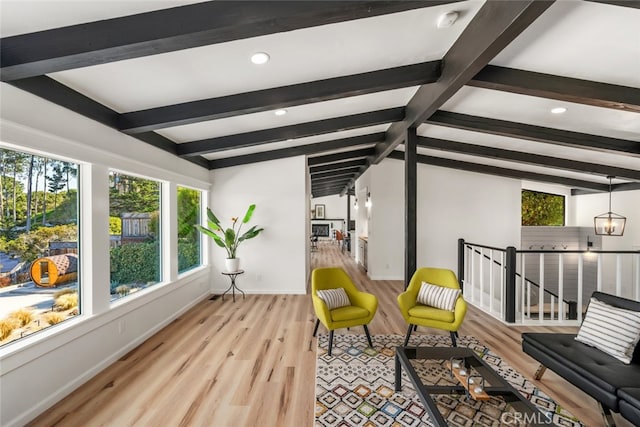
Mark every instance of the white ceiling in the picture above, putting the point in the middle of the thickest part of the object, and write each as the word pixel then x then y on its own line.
pixel 578 39
pixel 296 56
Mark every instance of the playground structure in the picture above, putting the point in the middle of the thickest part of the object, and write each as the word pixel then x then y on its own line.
pixel 54 270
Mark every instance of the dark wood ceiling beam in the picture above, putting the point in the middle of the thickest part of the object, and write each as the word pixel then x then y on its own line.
pixel 57 93
pixel 335 188
pixel 299 150
pixel 53 91
pixel 495 26
pixel 348 171
pixel 534 133
pixel 281 97
pixel 624 3
pixel 503 172
pixel 172 29
pixel 344 155
pixel 325 193
pixel 332 177
pixel 329 184
pixel 300 130
pixel 528 158
pixel 627 186
pixel 336 166
pixel 556 87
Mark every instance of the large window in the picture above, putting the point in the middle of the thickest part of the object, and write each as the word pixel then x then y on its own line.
pixel 188 236
pixel 38 243
pixel 542 208
pixel 134 209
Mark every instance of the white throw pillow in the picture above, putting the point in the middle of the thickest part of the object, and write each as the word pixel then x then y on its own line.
pixel 334 298
pixel 438 296
pixel 614 330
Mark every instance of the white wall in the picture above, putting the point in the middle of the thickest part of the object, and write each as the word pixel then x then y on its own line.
pixel 335 206
pixel 451 204
pixel 625 203
pixel 386 226
pixel 456 204
pixel 275 261
pixel 362 215
pixel 39 370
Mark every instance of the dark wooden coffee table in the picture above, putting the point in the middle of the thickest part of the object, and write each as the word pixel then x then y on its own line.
pixel 524 412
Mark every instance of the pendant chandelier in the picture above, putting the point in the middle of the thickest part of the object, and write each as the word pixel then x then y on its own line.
pixel 609 223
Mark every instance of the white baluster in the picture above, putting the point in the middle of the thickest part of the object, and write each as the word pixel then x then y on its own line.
pixel 473 275
pixel 541 291
pixel 560 287
pixel 580 269
pixel 599 273
pixel 637 277
pixel 619 275
pixel 482 278
pixel 502 285
pixel 491 284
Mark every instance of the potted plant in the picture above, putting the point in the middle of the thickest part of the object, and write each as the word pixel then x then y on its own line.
pixel 230 238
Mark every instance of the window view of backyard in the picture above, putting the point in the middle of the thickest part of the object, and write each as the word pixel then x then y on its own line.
pixel 542 208
pixel 134 227
pixel 188 236
pixel 38 243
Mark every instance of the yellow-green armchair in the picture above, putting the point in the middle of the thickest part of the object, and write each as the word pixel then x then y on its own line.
pixel 417 314
pixel 361 309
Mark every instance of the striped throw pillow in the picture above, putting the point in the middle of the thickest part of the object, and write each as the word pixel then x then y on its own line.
pixel 614 330
pixel 438 296
pixel 334 298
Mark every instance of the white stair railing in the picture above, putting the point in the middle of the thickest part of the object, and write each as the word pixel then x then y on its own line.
pixel 556 291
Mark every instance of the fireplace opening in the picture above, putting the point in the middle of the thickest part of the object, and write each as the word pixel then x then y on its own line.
pixel 320 230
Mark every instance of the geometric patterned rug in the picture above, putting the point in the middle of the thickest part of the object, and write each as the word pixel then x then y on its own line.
pixel 355 386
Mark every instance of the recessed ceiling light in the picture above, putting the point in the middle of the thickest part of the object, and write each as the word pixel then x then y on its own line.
pixel 280 112
pixel 447 19
pixel 260 58
pixel 558 110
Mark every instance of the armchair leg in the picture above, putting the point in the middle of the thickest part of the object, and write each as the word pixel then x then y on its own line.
pixel 453 338
pixel 366 331
pixel 330 341
pixel 406 338
pixel 415 328
pixel 315 330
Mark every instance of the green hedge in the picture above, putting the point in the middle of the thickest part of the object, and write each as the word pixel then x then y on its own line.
pixel 188 255
pixel 135 263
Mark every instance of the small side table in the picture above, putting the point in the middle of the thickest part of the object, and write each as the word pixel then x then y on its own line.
pixel 232 275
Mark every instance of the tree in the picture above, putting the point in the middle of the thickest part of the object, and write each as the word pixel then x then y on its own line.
pixel 56 182
pixel 18 167
pixel 29 194
pixel 70 169
pixel 44 193
pixel 132 194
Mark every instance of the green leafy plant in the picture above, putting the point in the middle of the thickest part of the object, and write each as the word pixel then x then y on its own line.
pixel 230 238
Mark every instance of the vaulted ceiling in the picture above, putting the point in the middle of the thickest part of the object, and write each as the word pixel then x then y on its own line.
pixel 352 77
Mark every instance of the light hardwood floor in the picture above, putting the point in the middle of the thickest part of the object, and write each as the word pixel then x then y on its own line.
pixel 252 363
